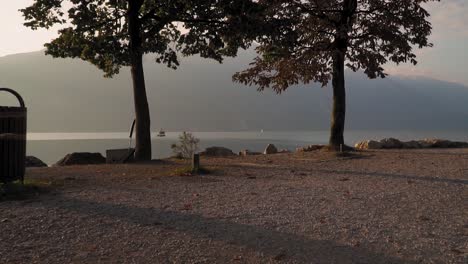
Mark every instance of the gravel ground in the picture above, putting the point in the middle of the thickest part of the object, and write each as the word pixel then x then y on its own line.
pixel 374 207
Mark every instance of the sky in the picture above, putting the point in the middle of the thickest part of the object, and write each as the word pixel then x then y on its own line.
pixel 447 60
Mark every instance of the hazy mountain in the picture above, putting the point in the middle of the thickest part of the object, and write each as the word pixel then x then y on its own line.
pixel 70 95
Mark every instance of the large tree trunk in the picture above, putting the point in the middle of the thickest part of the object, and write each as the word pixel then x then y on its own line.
pixel 339 101
pixel 142 115
pixel 344 26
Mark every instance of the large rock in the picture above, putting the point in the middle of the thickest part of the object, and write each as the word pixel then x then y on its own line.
pixel 33 162
pixel 114 156
pixel 270 149
pixel 368 144
pixel 391 143
pixel 217 152
pixel 81 158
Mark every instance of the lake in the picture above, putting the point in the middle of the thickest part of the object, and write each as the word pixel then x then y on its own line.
pixel 50 147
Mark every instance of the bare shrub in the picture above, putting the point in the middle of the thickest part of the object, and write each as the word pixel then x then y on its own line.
pixel 187 146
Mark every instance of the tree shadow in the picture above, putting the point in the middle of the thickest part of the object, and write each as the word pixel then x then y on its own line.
pixel 397 176
pixel 272 243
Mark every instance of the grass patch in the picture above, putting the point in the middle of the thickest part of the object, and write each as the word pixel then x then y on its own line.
pixel 188 171
pixel 29 189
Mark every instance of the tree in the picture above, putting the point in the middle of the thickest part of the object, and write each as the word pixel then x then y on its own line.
pixel 114 33
pixel 314 40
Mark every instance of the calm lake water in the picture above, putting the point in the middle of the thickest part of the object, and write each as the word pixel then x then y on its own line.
pixel 50 147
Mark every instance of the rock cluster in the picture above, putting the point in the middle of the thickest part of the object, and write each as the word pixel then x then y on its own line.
pixel 392 143
pixel 81 158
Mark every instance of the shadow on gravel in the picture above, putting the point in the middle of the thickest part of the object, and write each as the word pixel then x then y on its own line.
pixel 430 151
pixel 273 244
pixel 397 176
pixel 29 189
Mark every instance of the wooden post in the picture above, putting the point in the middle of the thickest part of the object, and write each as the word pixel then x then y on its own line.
pixel 195 163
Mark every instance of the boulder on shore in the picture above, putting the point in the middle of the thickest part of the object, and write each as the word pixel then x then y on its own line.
pixel 33 162
pixel 81 158
pixel 391 143
pixel 217 152
pixel 270 149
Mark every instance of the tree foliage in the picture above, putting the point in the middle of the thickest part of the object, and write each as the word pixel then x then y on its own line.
pixel 97 31
pixel 371 33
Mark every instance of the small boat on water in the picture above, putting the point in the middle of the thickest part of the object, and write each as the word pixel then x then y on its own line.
pixel 161 133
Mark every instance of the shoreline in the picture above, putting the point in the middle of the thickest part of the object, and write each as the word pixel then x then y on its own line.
pixel 50 151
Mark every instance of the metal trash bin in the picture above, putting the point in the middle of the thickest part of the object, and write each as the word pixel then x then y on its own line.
pixel 12 140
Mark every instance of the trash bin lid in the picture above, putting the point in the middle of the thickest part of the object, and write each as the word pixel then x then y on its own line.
pixel 17 95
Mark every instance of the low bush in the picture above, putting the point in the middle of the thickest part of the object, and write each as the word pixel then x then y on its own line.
pixel 187 146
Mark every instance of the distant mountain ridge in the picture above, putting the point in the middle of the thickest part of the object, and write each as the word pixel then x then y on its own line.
pixel 65 95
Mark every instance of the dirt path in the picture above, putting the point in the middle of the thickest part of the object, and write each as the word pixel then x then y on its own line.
pixel 376 207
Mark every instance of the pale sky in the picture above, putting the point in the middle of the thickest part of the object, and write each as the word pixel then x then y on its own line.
pixel 448 60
